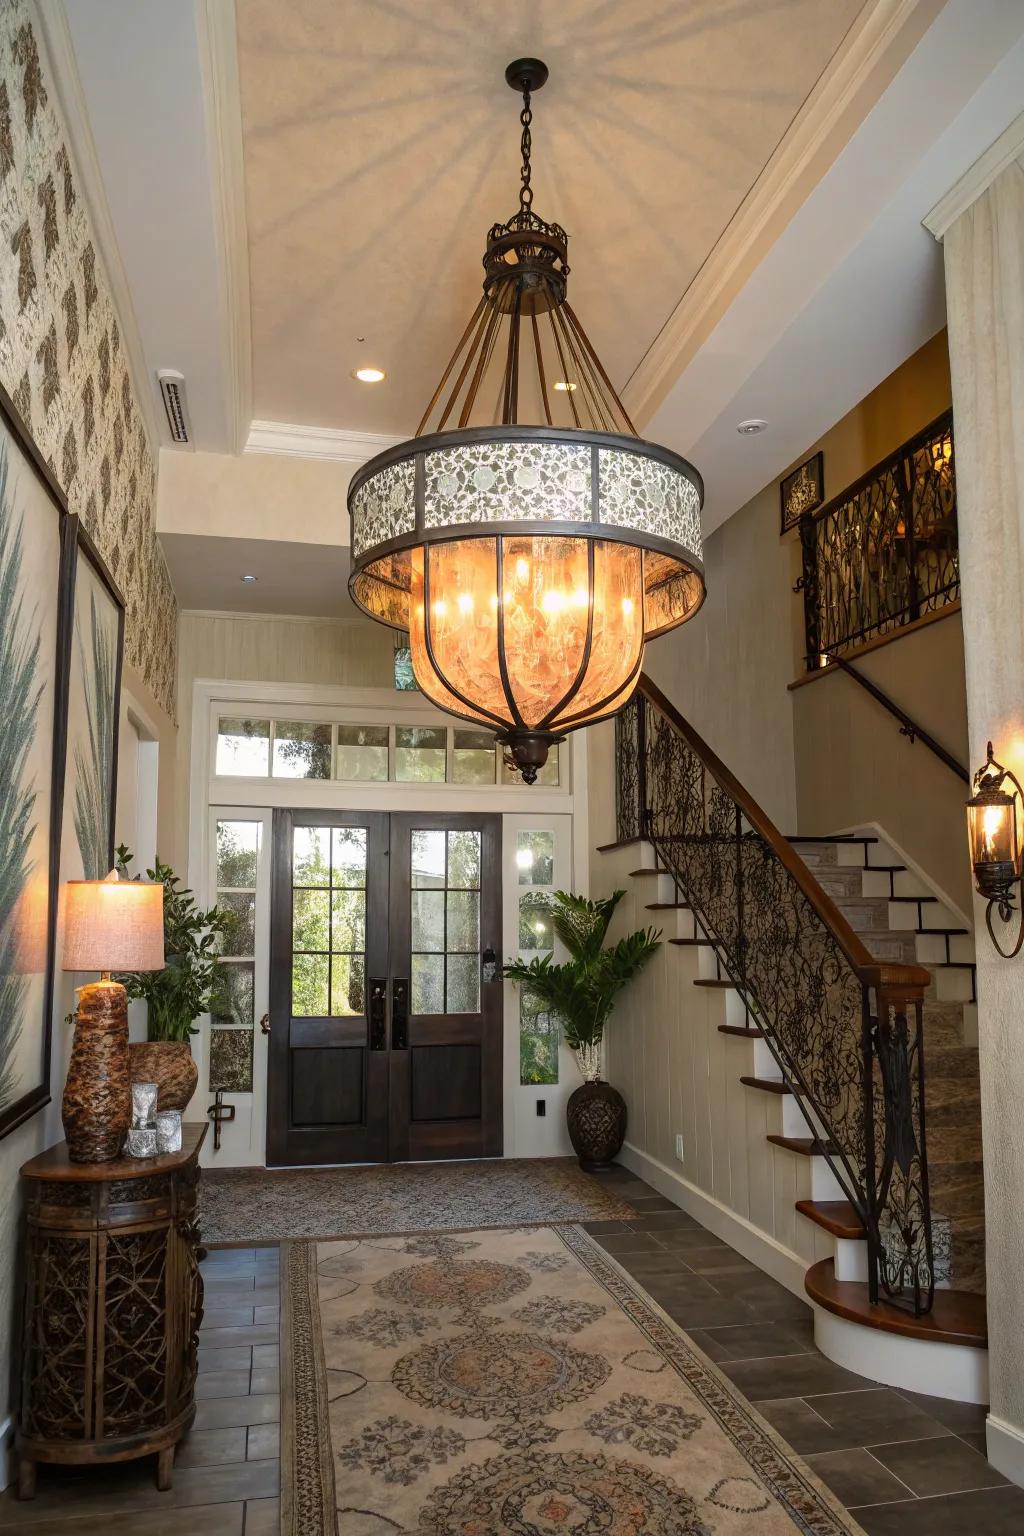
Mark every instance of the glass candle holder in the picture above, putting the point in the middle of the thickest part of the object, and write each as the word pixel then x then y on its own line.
pixel 144 1101
pixel 141 1142
pixel 168 1130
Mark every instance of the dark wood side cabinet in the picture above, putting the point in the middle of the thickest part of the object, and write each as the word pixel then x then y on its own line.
pixel 113 1303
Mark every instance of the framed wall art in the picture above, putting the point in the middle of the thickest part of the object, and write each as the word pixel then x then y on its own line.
pixel 802 491
pixel 94 637
pixel 33 687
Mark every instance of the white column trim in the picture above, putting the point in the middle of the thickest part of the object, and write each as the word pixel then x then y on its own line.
pixel 1008 147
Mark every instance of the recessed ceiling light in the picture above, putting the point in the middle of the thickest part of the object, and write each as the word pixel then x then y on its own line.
pixel 248 579
pixel 368 375
pixel 752 426
pixel 565 386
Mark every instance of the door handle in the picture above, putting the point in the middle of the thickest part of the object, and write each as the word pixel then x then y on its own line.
pixel 265 1024
pixel 399 1015
pixel 378 1014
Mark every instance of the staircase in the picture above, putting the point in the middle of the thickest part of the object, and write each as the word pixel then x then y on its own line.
pixel 898 918
pixel 834 968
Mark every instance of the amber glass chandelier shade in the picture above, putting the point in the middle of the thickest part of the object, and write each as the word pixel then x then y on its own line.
pixel 527 538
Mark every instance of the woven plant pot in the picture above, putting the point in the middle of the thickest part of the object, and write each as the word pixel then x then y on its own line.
pixel 169 1064
pixel 596 1118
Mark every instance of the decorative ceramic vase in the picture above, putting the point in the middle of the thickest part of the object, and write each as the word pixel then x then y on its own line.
pixel 168 1063
pixel 97 1104
pixel 596 1117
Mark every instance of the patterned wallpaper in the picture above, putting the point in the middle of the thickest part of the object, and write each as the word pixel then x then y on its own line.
pixel 62 358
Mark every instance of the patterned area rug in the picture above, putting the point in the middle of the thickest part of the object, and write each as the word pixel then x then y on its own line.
pixel 254 1205
pixel 513 1382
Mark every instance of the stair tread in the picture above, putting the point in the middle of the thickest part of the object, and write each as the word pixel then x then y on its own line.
pixel 668 906
pixel 957 1317
pixel 807 1146
pixel 691 943
pixel 837 1216
pixel 767 1084
pixel 713 981
pixel 741 1030
pixel 639 874
pixel 624 842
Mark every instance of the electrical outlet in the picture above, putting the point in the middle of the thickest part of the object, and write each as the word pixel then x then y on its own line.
pixel 542 1107
pixel 679 1147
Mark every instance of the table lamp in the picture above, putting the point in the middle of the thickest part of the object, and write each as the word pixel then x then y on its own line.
pixel 109 925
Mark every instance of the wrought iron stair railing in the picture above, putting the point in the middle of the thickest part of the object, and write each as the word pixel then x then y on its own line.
pixel 845 1029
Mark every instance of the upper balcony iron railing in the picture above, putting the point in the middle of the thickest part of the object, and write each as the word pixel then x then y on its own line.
pixel 885 552
pixel 845 1029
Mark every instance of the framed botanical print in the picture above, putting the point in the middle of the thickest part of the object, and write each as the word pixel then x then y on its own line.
pixel 95 645
pixel 33 679
pixel 803 490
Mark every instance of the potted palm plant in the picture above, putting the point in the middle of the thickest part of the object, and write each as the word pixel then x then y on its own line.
pixel 179 994
pixel 580 993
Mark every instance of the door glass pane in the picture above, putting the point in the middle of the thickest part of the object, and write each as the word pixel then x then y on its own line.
pixel 428 984
pixel 427 864
pixel 428 921
pixel 362 752
pixel 301 751
pixel 464 861
pixel 310 986
pixel 238 846
pixel 463 989
pixel 538 1041
pixel 311 856
pixel 239 936
pixel 348 920
pixel 311 920
pixel 421 754
pixel 534 922
pixel 473 757
pixel 243 748
pixel 463 922
pixel 349 856
pixel 535 858
pixel 233 1000
pixel 348 990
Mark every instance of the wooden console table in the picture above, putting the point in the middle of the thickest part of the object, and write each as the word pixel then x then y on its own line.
pixel 113 1303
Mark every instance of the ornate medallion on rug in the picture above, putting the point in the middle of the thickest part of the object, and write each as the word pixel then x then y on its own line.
pixel 514 1383
pixel 254 1205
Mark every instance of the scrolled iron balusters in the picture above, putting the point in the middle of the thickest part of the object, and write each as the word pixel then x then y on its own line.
pixel 862 1084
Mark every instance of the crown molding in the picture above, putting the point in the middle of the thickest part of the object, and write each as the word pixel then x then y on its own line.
pixel 1008 147
pixel 318 442
pixel 60 56
pixel 247 616
pixel 863 66
pixel 222 101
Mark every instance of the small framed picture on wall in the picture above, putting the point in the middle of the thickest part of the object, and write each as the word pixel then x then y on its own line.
pixel 802 491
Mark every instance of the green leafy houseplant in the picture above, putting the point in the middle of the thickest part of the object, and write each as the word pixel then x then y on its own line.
pixel 188 985
pixel 581 991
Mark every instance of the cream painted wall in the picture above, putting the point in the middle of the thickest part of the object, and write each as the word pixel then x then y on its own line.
pixel 853 767
pixel 251 648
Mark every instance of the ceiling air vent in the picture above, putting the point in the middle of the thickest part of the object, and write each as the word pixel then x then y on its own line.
pixel 172 388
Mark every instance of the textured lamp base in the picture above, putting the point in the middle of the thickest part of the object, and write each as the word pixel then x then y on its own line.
pixel 96 1108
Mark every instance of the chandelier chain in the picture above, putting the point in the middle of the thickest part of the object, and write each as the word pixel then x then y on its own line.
pixel 526 143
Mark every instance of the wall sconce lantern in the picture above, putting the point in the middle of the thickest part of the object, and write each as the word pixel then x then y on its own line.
pixel 995 850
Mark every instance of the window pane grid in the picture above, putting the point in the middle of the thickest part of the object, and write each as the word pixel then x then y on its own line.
pixel 343 753
pixel 445 975
pixel 328 982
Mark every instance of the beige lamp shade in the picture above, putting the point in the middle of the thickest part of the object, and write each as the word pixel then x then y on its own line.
pixel 113 925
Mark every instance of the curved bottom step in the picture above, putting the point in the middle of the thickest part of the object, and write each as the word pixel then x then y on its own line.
pixel 943 1353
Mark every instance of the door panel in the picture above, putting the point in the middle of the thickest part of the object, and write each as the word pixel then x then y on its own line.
pixel 328 1061
pixel 445 911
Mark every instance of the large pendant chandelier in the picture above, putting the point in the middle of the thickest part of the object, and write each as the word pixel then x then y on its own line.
pixel 526 537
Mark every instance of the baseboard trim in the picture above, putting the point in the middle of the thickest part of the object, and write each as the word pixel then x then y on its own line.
pixel 1005 1444
pixel 785 1266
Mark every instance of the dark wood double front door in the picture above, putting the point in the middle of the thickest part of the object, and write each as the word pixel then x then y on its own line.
pixel 385 1008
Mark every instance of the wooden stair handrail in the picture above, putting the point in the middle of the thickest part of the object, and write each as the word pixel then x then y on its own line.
pixel 871 972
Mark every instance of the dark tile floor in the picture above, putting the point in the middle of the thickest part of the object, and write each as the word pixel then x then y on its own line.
pixel 904 1464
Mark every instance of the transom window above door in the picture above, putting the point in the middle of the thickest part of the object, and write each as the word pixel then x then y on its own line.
pixel 282 747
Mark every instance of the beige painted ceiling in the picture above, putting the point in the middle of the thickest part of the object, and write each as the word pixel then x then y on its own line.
pixel 381 142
